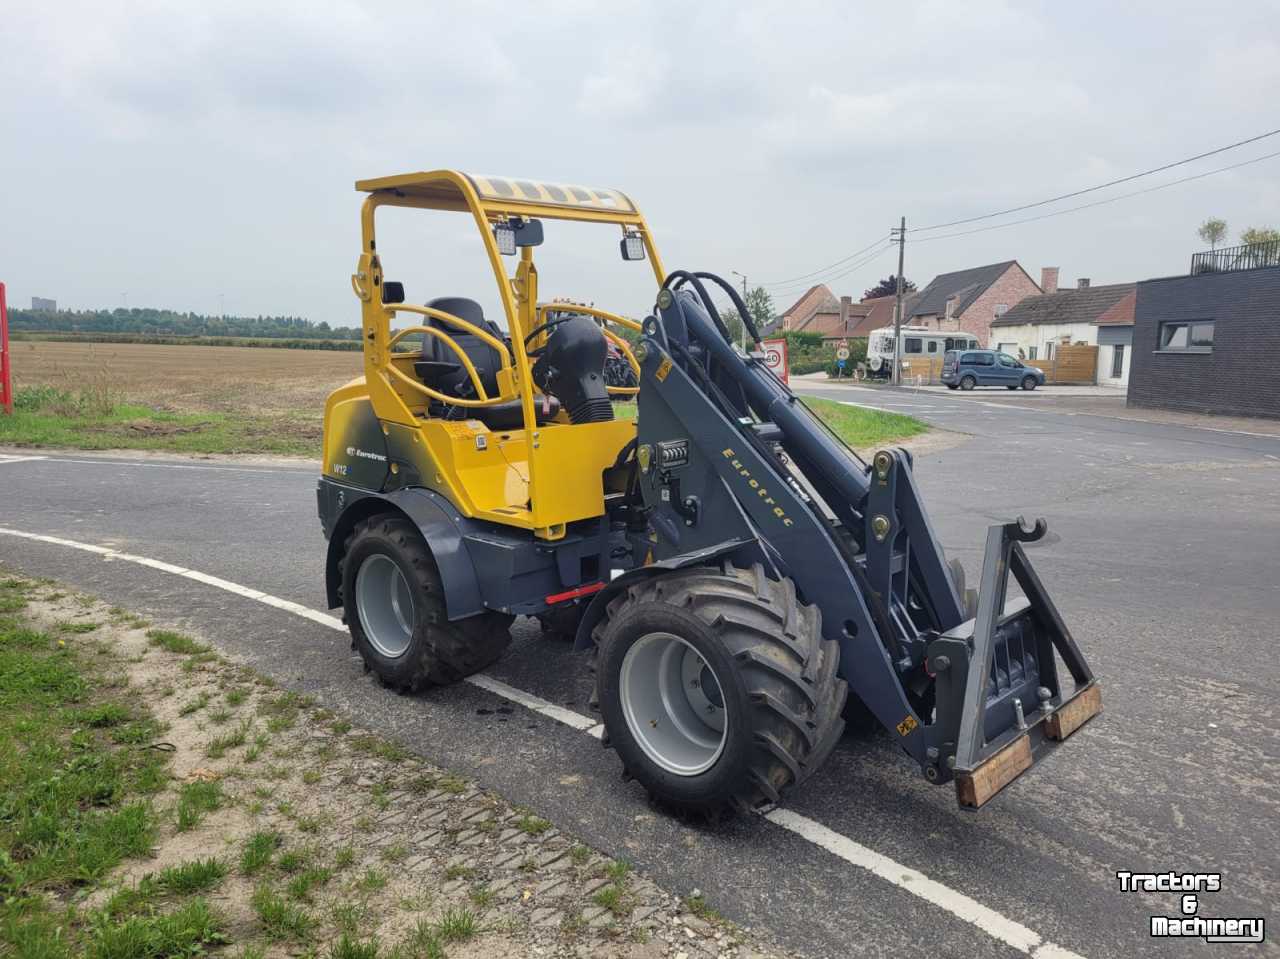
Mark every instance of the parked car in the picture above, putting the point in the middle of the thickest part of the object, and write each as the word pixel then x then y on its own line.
pixel 965 369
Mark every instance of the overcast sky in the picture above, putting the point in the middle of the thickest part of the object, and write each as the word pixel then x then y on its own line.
pixel 183 153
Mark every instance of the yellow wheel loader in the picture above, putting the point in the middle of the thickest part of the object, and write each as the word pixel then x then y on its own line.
pixel 744 579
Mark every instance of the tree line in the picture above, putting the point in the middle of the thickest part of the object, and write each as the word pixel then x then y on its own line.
pixel 152 322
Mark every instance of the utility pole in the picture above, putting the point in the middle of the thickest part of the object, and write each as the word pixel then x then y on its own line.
pixel 901 237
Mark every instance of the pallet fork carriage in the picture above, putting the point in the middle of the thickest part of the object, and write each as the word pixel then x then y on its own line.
pixel 745 580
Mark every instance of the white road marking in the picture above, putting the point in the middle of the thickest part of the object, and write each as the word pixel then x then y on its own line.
pixel 963 907
pixel 529 701
pixel 5 458
pixel 918 884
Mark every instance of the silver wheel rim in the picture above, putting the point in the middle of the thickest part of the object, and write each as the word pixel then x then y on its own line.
pixel 385 606
pixel 673 704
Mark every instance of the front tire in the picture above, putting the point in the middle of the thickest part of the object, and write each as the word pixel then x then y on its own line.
pixel 716 687
pixel 394 607
pixel 1028 383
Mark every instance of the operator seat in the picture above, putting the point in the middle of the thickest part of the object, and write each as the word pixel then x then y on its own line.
pixel 441 369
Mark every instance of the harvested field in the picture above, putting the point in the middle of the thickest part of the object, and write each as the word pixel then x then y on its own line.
pixel 201 379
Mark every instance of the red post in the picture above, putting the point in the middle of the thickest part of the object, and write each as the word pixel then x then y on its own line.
pixel 6 374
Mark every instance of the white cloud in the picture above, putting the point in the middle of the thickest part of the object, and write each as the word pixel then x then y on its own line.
pixel 175 149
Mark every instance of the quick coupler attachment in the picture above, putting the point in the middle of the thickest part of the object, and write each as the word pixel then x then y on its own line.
pixel 1001 706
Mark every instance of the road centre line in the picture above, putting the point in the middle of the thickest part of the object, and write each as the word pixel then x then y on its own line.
pixel 960 906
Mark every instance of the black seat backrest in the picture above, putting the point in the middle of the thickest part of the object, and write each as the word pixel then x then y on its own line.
pixel 483 356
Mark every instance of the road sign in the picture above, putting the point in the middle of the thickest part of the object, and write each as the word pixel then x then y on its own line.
pixel 775 357
pixel 842 354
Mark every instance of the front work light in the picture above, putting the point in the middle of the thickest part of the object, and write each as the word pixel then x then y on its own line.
pixel 506 237
pixel 632 246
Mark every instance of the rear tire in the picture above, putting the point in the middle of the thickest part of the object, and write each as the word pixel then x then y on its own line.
pixel 1010 387
pixel 405 637
pixel 952 386
pixel 1028 383
pixel 967 383
pixel 706 635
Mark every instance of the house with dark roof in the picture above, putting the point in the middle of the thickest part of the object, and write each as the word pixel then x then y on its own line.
pixel 820 311
pixel 969 300
pixel 1039 325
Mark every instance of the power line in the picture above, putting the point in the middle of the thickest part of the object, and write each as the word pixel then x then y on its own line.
pixel 1100 186
pixel 843 273
pixel 845 259
pixel 1087 206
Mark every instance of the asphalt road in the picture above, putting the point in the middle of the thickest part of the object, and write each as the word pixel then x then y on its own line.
pixel 1162 556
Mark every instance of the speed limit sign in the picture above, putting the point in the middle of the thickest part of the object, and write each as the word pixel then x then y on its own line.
pixel 842 353
pixel 775 357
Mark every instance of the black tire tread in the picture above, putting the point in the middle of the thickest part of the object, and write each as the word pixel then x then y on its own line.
pixel 454 649
pixel 790 671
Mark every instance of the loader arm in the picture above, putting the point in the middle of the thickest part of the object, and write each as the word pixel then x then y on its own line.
pixel 726 451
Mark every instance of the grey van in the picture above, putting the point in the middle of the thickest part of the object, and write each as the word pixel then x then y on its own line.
pixel 965 369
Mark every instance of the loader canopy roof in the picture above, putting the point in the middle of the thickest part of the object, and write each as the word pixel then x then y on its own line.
pixel 502 196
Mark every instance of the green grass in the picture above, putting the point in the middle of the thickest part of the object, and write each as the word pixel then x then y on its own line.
pixel 618 870
pixel 183 932
pixel 233 739
pixel 73 803
pixel 457 925
pixel 198 875
pixel 173 642
pixel 862 428
pixel 533 825
pixel 348 948
pixel 280 920
pixel 195 801
pixel 96 418
pixel 614 898
pixel 259 850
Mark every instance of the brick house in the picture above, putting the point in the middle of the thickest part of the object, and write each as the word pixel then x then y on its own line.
pixel 969 300
pixel 815 301
pixel 820 311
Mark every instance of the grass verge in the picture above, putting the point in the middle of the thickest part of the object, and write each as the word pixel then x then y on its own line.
pixel 97 419
pixel 76 799
pixel 863 428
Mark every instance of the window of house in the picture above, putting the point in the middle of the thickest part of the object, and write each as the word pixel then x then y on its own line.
pixel 1031 352
pixel 933 346
pixel 1117 361
pixel 1190 337
pixel 913 344
pixel 1002 309
pixel 1048 350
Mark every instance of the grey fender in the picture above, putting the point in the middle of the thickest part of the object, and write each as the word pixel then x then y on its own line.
pixel 441 526
pixel 743 552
